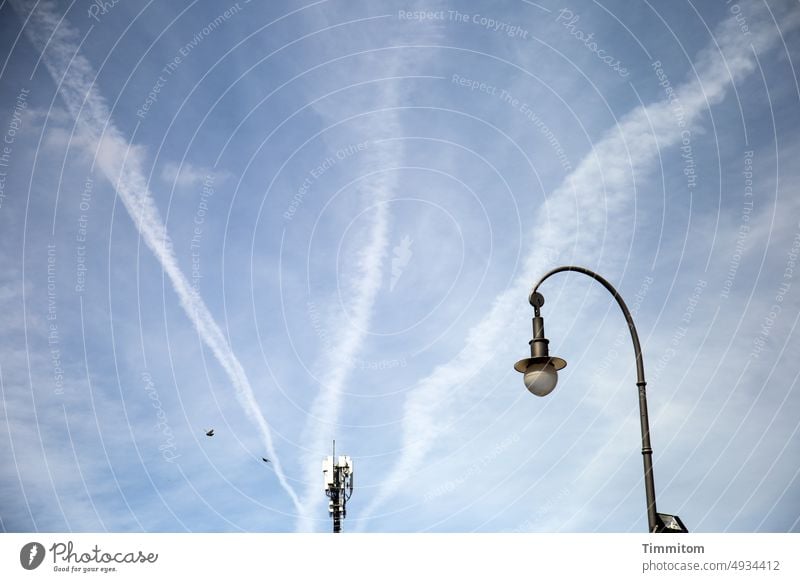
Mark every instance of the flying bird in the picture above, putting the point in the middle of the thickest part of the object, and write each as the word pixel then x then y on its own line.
pixel 265 459
pixel 210 433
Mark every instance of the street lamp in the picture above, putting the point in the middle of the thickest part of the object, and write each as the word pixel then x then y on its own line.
pixel 541 371
pixel 541 375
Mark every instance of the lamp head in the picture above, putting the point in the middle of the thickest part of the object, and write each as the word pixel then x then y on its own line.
pixel 540 373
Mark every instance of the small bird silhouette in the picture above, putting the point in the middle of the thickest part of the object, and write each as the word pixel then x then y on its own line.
pixel 265 459
pixel 210 433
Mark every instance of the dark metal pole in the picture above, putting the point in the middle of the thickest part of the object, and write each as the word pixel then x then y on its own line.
pixel 337 521
pixel 647 451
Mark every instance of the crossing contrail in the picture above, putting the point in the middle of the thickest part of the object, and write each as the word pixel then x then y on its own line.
pixel 121 163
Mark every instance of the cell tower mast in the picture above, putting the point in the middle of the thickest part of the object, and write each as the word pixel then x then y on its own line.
pixel 338 473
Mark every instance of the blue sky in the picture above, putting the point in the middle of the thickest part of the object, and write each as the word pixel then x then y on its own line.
pixel 303 222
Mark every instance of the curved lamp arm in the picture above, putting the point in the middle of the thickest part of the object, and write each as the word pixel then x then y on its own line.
pixel 647 451
pixel 637 348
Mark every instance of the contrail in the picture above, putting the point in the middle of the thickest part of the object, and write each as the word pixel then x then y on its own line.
pixel 328 403
pixel 601 185
pixel 121 163
pixel 376 189
pixel 338 362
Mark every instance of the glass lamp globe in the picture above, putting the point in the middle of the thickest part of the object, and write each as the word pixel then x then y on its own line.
pixel 540 378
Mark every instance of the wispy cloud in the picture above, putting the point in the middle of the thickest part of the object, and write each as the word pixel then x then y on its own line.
pixel 602 187
pixel 122 163
pixel 185 174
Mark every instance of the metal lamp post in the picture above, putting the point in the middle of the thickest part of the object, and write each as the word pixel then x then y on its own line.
pixel 541 375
